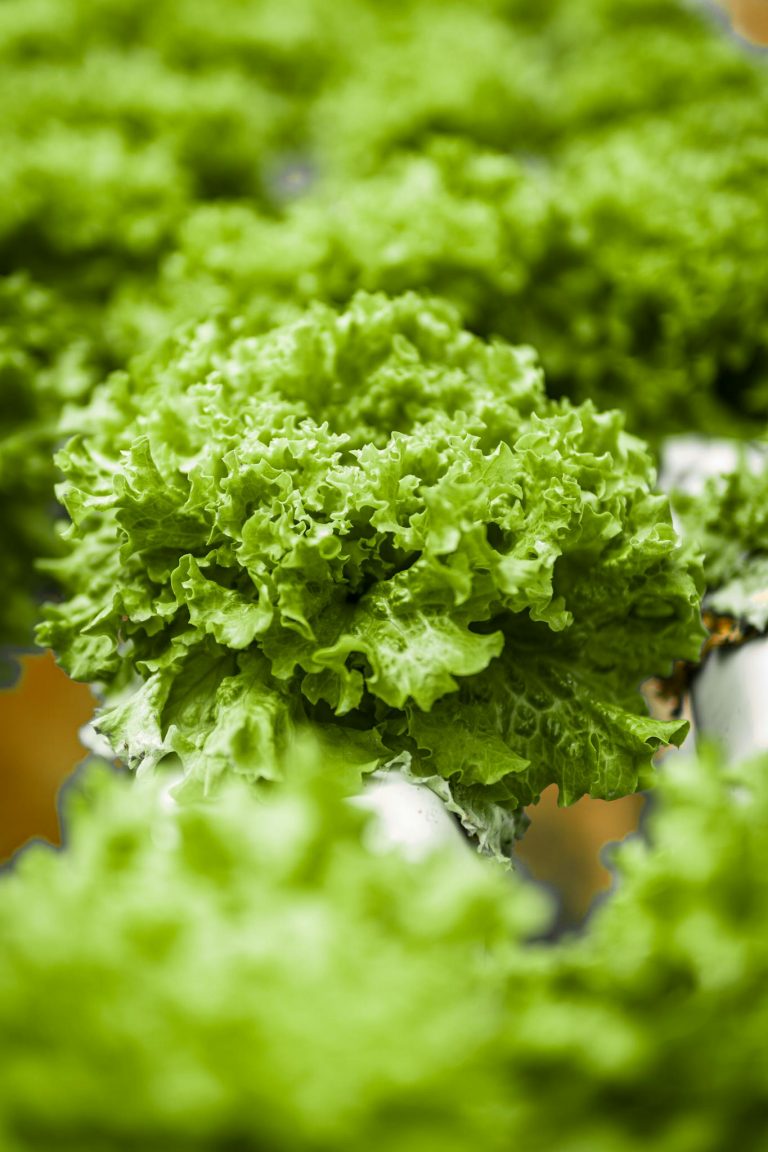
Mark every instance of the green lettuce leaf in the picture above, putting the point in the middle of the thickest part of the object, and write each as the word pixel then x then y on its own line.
pixel 540 717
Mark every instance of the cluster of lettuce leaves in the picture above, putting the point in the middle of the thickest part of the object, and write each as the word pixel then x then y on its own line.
pixel 248 973
pixel 376 523
pixel 617 227
pixel 727 523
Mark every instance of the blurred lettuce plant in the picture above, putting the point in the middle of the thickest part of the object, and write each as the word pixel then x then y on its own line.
pixel 40 366
pixel 728 524
pixel 251 972
pixel 634 265
pixel 649 1028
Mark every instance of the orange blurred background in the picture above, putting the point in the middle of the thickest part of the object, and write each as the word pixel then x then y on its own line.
pixel 750 19
pixel 39 747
